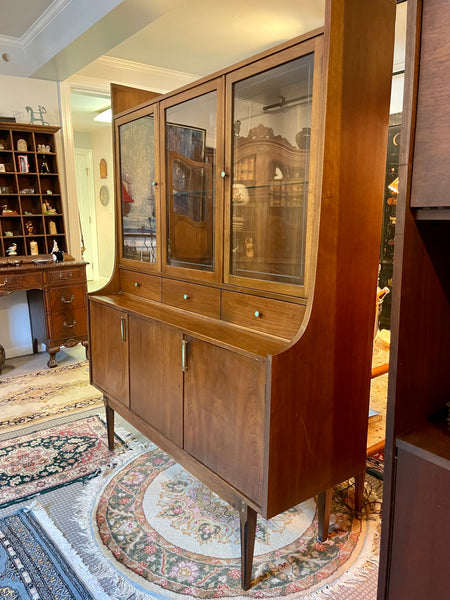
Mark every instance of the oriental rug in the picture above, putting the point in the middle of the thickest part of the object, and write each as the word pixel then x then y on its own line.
pixel 29 399
pixel 34 567
pixel 157 531
pixel 57 456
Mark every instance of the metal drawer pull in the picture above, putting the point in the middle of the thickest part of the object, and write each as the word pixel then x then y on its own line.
pixel 258 314
pixel 5 281
pixel 71 325
pixel 71 299
pixel 186 297
pixel 65 278
pixel 123 329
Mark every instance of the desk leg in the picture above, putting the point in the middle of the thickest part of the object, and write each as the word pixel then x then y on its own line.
pixel 52 361
pixel 324 500
pixel 109 423
pixel 248 531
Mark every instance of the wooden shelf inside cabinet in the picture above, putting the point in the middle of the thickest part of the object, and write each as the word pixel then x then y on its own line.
pixel 29 191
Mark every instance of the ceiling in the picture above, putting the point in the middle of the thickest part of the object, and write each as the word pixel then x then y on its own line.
pixel 57 39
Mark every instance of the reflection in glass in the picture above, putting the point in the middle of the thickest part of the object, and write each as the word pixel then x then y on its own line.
pixel 190 164
pixel 270 172
pixel 137 171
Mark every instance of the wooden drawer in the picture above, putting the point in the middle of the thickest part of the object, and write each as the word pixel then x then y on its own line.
pixel 141 284
pixel 68 324
pixel 12 281
pixel 65 275
pixel 193 297
pixel 275 317
pixel 60 299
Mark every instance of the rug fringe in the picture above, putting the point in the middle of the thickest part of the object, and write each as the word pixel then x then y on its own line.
pixel 69 553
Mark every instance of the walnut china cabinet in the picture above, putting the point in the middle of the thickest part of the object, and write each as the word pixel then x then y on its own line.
pixel 416 511
pixel 236 331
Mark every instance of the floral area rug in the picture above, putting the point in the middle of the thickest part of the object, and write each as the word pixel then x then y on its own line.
pixel 167 535
pixel 51 458
pixel 34 567
pixel 30 399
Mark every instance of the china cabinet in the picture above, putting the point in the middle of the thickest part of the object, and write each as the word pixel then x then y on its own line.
pixel 31 210
pixel 240 313
pixel 416 525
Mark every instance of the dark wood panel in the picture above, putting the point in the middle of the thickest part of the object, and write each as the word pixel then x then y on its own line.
pixel 419 559
pixel 431 175
pixel 124 97
pixel 70 323
pixel 109 351
pixel 225 415
pixel 156 377
pixel 60 299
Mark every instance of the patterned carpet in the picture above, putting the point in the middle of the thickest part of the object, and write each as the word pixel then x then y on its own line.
pixel 47 394
pixel 147 529
pixel 33 568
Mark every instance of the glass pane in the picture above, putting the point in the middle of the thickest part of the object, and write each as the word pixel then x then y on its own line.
pixel 270 172
pixel 190 165
pixel 137 171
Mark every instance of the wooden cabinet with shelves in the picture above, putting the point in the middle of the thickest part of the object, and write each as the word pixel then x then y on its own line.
pixel 31 210
pixel 414 550
pixel 261 355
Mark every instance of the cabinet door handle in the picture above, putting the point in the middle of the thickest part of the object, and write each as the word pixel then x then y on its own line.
pixel 258 314
pixel 5 281
pixel 184 345
pixel 65 301
pixel 186 297
pixel 123 328
pixel 69 276
pixel 70 325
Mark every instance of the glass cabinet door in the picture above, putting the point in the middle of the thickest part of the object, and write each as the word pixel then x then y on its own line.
pixel 190 155
pixel 138 187
pixel 271 117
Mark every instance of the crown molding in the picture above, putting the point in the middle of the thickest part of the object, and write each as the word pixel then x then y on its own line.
pixel 147 70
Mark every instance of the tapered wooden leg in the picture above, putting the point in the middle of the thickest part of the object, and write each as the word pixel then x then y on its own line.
pixel 359 491
pixel 248 531
pixel 323 512
pixel 109 423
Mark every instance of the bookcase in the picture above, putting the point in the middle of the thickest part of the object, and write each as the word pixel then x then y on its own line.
pixel 31 210
pixel 416 512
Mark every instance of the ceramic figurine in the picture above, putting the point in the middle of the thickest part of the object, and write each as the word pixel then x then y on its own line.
pixel 12 250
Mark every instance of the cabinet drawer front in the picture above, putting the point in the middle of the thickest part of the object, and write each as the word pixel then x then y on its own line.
pixel 12 281
pixel 275 317
pixel 62 298
pixel 141 284
pixel 190 296
pixel 69 324
pixel 66 275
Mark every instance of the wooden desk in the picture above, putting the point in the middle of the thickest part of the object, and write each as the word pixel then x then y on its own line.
pixel 56 299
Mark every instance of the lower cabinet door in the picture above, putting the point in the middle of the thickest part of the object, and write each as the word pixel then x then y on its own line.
pixel 156 376
pixel 224 412
pixel 109 351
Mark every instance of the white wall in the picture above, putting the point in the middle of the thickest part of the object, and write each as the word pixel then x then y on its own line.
pixel 16 94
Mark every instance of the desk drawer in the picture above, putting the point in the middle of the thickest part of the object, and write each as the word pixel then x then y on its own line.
pixel 65 275
pixel 13 281
pixel 68 324
pixel 141 284
pixel 275 317
pixel 193 297
pixel 61 298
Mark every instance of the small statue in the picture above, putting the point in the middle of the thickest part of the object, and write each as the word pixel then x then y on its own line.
pixel 249 247
pixel 12 250
pixel 58 255
pixel 44 166
pixel 30 227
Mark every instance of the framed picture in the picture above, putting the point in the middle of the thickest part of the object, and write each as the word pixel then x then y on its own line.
pixel 188 141
pixel 22 159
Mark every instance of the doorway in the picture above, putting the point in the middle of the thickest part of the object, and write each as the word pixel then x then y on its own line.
pixel 86 207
